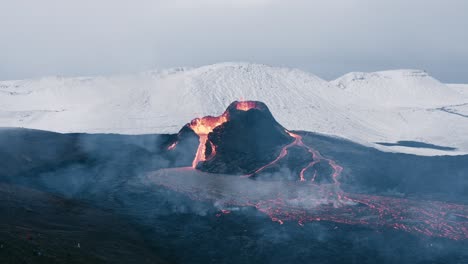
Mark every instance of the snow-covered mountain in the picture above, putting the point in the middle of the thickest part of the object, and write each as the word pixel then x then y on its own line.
pixel 386 106
pixel 402 88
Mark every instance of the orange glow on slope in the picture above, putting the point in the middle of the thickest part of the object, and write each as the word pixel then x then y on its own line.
pixel 431 218
pixel 202 127
pixel 205 125
pixel 316 157
pixel 245 105
pixel 172 146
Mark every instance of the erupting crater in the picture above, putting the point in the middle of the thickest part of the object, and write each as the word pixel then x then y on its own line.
pixel 248 142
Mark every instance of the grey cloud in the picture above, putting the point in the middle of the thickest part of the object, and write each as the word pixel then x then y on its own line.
pixel 328 38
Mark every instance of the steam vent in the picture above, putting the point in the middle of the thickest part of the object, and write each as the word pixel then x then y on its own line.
pixel 247 140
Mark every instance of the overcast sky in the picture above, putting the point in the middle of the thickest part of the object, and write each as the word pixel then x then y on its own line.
pixel 327 38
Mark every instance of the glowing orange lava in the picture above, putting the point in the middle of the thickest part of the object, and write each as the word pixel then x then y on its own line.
pixel 172 146
pixel 205 125
pixel 320 203
pixel 431 218
pixel 246 105
pixel 316 157
pixel 202 127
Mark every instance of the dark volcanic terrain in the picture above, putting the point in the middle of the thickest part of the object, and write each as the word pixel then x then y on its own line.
pixel 235 188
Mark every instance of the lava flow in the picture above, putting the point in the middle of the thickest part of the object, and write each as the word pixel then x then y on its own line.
pixel 202 127
pixel 172 146
pixel 315 157
pixel 306 201
pixel 205 125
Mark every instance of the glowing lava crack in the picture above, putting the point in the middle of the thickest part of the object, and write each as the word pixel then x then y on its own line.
pixel 202 127
pixel 246 141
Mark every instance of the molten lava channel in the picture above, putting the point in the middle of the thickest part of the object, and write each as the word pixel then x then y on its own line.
pixel 205 125
pixel 430 218
pixel 306 202
pixel 202 127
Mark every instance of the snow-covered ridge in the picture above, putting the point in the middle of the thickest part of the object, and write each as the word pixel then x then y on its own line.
pixel 374 107
pixel 399 88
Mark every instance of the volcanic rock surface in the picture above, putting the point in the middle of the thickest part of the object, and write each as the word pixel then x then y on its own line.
pixel 250 139
pixel 247 140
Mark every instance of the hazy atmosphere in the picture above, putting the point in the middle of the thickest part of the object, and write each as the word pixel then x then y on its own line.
pixel 327 38
pixel 234 131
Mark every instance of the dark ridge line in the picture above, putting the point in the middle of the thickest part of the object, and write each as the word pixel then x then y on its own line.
pixel 447 109
pixel 415 144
